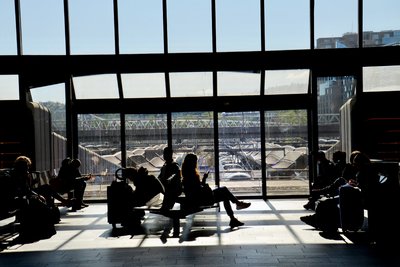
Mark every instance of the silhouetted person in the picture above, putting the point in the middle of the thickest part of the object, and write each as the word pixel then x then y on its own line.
pixel 195 190
pixel 71 178
pixel 170 177
pixel 36 215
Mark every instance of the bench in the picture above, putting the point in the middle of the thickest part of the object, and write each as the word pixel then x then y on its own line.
pixel 179 211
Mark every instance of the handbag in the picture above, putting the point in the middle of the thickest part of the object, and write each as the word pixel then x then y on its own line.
pixel 207 195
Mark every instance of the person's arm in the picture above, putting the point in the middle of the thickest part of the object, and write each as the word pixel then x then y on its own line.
pixel 205 176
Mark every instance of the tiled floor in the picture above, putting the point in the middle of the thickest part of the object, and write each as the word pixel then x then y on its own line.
pixel 273 235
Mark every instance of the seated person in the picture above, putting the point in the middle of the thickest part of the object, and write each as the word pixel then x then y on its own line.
pixel 197 191
pixel 71 179
pixel 170 177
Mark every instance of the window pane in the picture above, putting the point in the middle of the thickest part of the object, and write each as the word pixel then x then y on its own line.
pixel 333 92
pixel 193 132
pixel 287 28
pixel 134 37
pixel 239 145
pixel 381 23
pixel 380 79
pixel 189 26
pixel 99 137
pixel 143 85
pixel 92 26
pixel 43 31
pixel 184 84
pixel 336 24
pixel 53 98
pixel 238 83
pixel 238 25
pixel 281 82
pixel 96 86
pixel 9 87
pixel 146 137
pixel 8 43
pixel 286 152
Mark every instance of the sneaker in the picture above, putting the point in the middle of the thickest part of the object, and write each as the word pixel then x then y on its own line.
pixel 310 220
pixel 309 205
pixel 235 223
pixel 242 205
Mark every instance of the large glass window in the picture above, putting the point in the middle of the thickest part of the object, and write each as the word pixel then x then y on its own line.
pixel 99 146
pixel 143 85
pixel 146 137
pixel 239 150
pixel 193 132
pixel 381 23
pixel 43 31
pixel 281 82
pixel 92 26
pixel 8 43
pixel 336 24
pixel 287 28
pixel 379 79
pixel 9 87
pixel 140 26
pixel 238 83
pixel 96 86
pixel 187 84
pixel 189 26
pixel 238 25
pixel 333 92
pixel 286 152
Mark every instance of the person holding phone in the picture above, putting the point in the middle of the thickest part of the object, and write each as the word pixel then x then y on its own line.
pixel 198 192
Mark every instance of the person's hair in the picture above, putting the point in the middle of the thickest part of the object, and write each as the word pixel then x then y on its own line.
pixel 361 159
pixel 353 155
pixel 22 163
pixel 189 166
pixel 75 163
pixel 129 173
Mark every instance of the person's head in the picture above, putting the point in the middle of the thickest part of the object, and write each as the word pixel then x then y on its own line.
pixel 353 155
pixel 167 154
pixel 65 162
pixel 75 163
pixel 339 157
pixel 130 173
pixel 189 165
pixel 22 164
pixel 360 160
pixel 319 156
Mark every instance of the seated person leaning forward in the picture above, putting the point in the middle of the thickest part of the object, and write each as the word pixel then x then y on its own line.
pixel 195 190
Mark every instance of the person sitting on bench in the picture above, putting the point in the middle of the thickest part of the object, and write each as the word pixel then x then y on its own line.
pixel 197 191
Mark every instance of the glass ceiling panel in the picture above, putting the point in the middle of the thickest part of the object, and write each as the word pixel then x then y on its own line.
pixel 92 26
pixel 190 84
pixel 381 23
pixel 134 37
pixel 336 24
pixel 143 85
pixel 96 86
pixel 43 31
pixel 379 79
pixel 189 26
pixel 8 43
pixel 287 28
pixel 284 82
pixel 238 25
pixel 232 83
pixel 9 87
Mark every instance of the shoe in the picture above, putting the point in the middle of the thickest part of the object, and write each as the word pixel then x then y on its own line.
pixel 310 220
pixel 84 205
pixel 235 223
pixel 242 205
pixel 309 205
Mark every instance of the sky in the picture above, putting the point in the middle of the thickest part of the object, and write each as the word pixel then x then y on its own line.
pixel 189 25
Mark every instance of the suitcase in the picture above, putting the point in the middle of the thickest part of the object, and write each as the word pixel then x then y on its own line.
pixel 351 208
pixel 118 195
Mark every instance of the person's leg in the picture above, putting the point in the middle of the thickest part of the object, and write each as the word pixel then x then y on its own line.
pixel 223 193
